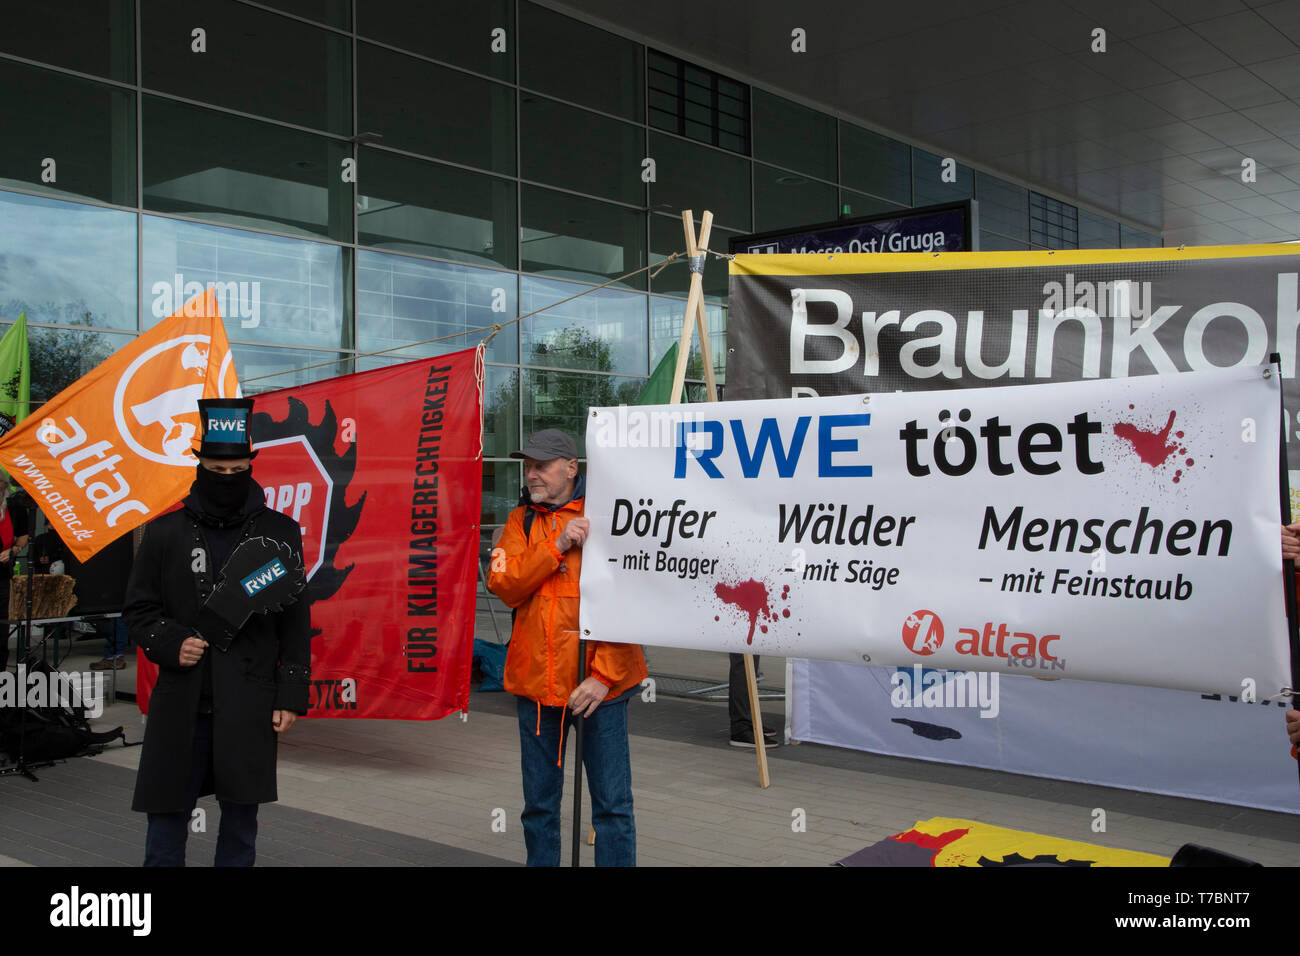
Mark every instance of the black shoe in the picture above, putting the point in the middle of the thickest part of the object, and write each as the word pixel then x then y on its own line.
pixel 746 739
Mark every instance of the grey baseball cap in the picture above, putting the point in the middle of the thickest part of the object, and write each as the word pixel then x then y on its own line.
pixel 548 444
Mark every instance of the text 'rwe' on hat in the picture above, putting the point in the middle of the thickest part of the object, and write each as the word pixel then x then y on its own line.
pixel 225 428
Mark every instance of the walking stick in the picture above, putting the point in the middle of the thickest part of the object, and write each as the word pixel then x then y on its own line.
pixel 577 763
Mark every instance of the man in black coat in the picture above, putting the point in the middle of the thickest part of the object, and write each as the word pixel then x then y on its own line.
pixel 225 691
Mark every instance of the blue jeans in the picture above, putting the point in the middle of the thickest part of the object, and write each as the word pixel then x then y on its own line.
pixel 115 644
pixel 608 766
pixel 168 832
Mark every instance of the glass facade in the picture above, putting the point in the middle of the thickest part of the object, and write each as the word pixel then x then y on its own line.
pixel 386 176
pixel 1054 224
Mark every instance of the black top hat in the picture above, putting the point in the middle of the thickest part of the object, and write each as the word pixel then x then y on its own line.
pixel 225 428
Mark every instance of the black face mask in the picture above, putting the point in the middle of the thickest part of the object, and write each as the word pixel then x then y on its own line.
pixel 224 495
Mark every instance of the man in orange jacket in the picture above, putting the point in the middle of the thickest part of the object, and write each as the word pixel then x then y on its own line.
pixel 535 569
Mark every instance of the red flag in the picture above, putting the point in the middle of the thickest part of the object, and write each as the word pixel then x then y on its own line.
pixel 383 472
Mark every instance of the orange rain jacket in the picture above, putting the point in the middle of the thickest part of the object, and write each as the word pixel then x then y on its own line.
pixel 542 584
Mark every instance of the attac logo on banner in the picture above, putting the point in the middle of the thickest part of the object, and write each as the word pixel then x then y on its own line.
pixel 1077 530
pixel 114 448
pixel 382 471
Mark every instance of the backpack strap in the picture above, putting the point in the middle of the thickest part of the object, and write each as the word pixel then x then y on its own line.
pixel 529 515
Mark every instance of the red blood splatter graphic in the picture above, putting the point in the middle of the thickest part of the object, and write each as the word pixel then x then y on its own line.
pixel 1150 446
pixel 1190 462
pixel 785 612
pixel 1130 406
pixel 785 593
pixel 750 596
pixel 716 618
pixel 929 842
pixel 1178 476
pixel 763 628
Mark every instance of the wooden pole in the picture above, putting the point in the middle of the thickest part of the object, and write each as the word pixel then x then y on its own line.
pixel 693 300
pixel 695 320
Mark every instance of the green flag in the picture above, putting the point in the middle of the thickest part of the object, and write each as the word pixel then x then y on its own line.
pixel 658 389
pixel 15 375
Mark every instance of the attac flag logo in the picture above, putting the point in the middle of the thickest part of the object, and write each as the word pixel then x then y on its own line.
pixel 113 449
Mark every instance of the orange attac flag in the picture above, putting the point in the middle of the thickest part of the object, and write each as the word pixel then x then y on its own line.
pixel 113 449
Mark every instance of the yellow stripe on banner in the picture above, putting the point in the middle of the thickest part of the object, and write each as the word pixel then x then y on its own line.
pixel 804 264
pixel 999 845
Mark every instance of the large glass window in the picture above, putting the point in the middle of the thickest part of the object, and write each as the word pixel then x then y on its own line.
pixel 793 136
pixel 501 483
pixel 783 199
pixel 66 263
pixel 500 411
pixel 235 171
pixel 94 36
pixel 423 108
pixel 603 331
pixel 860 204
pixel 61 356
pixel 402 300
pixel 562 400
pixel 335 13
pixel 698 178
pixel 252 61
pixel 1130 238
pixel 453 31
pixel 568 59
pixel 409 205
pixel 263 369
pixel 696 103
pixel 1053 224
pixel 929 179
pixel 1004 207
pixel 269 289
pixel 875 164
pixel 65 135
pixel 607 158
pixel 666 237
pixel 666 328
pixel 570 237
pixel 993 242
pixel 1097 232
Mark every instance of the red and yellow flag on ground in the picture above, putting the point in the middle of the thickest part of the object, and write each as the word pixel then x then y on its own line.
pixel 113 449
pixel 945 841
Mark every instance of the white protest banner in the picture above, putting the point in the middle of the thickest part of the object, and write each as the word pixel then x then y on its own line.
pixel 1122 530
